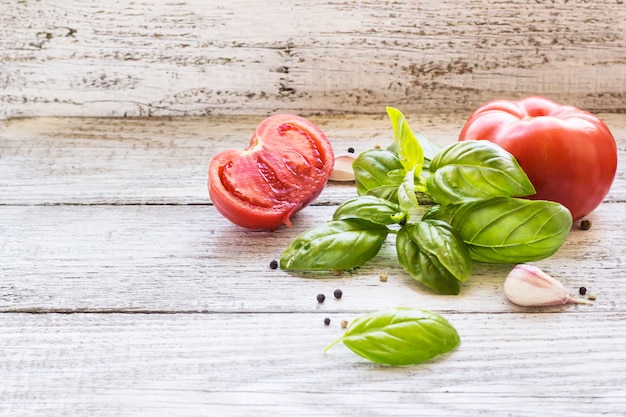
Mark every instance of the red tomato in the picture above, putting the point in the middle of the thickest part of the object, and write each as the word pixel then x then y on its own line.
pixel 569 155
pixel 283 170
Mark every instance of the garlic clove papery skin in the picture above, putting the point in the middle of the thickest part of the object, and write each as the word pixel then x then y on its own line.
pixel 342 170
pixel 528 286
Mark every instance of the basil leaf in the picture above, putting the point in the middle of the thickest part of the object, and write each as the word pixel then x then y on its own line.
pixel 440 240
pixel 334 245
pixel 410 152
pixel 437 212
pixel 476 170
pixel 430 148
pixel 422 266
pixel 400 336
pixel 375 209
pixel 407 199
pixel 374 174
pixel 511 230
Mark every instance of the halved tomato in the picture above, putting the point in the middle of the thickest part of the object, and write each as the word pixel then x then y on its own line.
pixel 284 169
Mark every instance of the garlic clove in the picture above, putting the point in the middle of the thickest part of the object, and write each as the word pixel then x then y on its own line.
pixel 342 170
pixel 527 285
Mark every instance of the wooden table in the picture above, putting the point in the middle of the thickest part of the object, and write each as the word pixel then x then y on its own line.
pixel 124 293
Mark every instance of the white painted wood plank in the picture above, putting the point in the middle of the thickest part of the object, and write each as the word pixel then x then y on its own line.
pixel 190 259
pixel 165 160
pixel 156 57
pixel 272 365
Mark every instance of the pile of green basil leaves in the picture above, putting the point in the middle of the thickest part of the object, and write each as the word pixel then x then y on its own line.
pixel 473 212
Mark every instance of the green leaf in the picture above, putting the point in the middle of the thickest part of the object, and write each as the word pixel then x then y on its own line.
pixel 371 208
pixel 511 230
pixel 375 174
pixel 410 152
pixel 430 148
pixel 476 170
pixel 334 245
pixel 407 199
pixel 400 336
pixel 422 266
pixel 440 240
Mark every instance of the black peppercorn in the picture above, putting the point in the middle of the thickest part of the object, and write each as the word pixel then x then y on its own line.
pixel 274 264
pixel 585 225
pixel 327 321
pixel 321 298
pixel 338 293
pixel 351 149
pixel 582 291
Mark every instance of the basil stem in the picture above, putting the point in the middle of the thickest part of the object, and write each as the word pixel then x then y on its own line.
pixel 399 336
pixel 476 170
pixel 334 245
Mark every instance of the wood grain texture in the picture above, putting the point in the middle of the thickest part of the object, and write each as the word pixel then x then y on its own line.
pixel 182 259
pixel 157 57
pixel 165 160
pixel 273 365
pixel 123 292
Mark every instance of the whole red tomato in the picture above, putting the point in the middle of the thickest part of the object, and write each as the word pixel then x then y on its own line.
pixel 284 169
pixel 569 155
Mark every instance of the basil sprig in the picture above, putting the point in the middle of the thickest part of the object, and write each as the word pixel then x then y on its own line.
pixel 477 214
pixel 399 336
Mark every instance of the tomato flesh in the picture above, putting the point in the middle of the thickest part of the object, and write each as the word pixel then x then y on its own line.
pixel 284 168
pixel 569 155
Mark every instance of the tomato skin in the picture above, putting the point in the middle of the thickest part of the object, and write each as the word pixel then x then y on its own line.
pixel 284 169
pixel 569 155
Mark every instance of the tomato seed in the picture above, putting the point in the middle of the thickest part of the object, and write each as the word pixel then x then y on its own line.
pixel 321 298
pixel 383 277
pixel 338 293
pixel 274 264
pixel 592 297
pixel 344 324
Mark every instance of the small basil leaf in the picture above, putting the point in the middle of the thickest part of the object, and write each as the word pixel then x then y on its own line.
pixel 440 240
pixel 511 230
pixel 334 245
pixel 430 148
pixel 423 267
pixel 372 174
pixel 368 207
pixel 397 175
pixel 410 152
pixel 476 170
pixel 400 336
pixel 407 199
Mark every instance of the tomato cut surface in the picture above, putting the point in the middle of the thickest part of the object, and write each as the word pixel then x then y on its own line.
pixel 569 155
pixel 284 168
